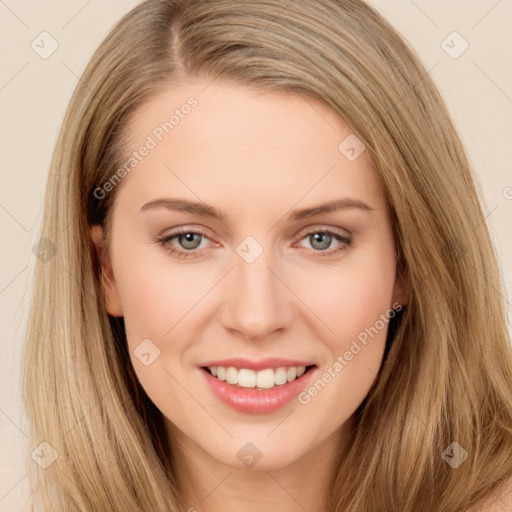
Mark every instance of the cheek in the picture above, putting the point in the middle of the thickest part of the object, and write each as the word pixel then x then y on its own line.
pixel 350 298
pixel 358 309
pixel 159 303
pixel 156 297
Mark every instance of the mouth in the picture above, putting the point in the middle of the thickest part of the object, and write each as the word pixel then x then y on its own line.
pixel 264 379
pixel 257 386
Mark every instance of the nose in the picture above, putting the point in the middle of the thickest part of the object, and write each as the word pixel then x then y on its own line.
pixel 258 303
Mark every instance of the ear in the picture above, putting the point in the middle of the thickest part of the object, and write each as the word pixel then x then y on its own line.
pixel 401 289
pixel 112 298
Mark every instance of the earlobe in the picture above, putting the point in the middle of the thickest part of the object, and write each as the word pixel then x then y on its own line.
pixel 112 298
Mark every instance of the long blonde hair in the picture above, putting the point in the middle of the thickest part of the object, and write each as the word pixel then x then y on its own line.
pixel 447 376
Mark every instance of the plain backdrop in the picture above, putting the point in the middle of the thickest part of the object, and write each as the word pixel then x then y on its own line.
pixel 35 88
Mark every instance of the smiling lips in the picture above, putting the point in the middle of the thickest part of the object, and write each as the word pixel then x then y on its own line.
pixel 263 374
pixel 257 387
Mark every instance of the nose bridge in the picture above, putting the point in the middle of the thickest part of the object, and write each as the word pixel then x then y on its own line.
pixel 259 303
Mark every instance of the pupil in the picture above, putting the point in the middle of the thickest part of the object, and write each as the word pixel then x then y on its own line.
pixel 317 238
pixel 189 239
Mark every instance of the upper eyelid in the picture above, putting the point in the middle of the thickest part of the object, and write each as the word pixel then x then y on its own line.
pixel 205 231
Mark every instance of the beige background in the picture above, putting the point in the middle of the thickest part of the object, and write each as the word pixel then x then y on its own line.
pixel 34 93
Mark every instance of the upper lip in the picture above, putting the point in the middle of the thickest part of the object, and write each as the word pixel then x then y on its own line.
pixel 262 364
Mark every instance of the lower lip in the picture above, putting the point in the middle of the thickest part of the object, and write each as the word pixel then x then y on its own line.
pixel 256 401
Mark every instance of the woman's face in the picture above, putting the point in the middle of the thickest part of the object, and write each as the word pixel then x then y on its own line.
pixel 263 274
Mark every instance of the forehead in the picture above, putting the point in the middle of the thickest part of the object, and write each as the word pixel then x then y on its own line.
pixel 221 142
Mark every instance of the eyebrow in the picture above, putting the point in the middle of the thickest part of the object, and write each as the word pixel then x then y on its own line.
pixel 205 210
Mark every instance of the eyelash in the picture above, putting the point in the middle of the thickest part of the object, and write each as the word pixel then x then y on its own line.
pixel 346 242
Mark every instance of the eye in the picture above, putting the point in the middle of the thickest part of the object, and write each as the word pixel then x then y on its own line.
pixel 322 239
pixel 189 242
pixel 188 239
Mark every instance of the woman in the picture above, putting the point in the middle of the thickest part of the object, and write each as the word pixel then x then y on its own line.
pixel 272 285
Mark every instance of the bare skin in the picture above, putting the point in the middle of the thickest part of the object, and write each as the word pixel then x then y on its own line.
pixel 258 158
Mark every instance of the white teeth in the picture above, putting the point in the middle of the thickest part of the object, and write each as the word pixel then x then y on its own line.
pixel 280 376
pixel 246 378
pixel 263 379
pixel 231 375
pixel 291 373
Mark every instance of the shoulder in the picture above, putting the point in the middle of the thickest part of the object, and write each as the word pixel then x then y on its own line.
pixel 499 500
